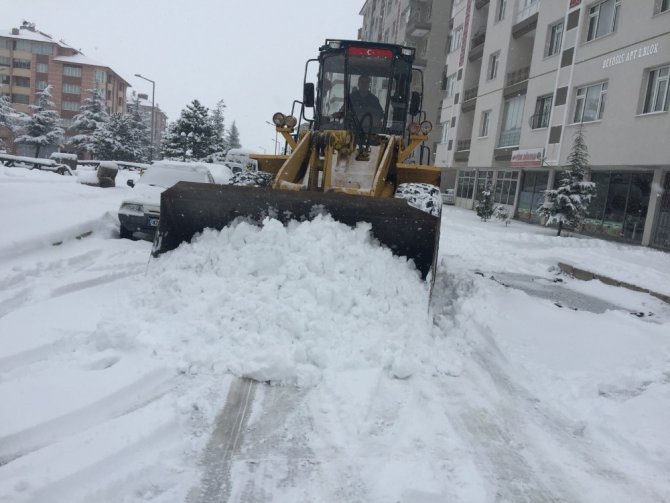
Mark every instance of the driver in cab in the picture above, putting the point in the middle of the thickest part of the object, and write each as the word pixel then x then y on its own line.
pixel 363 103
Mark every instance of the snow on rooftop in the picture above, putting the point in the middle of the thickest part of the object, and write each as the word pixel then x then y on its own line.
pixel 25 34
pixel 79 59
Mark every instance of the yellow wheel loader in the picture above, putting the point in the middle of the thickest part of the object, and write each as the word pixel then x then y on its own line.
pixel 351 158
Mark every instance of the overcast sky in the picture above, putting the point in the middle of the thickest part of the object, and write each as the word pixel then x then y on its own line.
pixel 250 53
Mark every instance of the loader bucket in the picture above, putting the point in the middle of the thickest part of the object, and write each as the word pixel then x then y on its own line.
pixel 187 208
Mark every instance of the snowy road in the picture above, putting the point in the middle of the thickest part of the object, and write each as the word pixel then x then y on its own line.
pixel 123 379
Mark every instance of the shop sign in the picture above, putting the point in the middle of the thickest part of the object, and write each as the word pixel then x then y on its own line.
pixel 630 55
pixel 527 158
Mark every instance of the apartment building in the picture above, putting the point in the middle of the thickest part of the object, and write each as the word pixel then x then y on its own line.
pixel 159 117
pixel 30 60
pixel 423 25
pixel 528 73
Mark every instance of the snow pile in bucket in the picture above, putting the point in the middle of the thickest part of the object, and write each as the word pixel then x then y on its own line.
pixel 279 304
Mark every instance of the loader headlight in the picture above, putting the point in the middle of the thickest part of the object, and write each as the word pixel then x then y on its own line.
pixel 290 121
pixel 278 119
pixel 426 127
pixel 414 128
pixel 335 44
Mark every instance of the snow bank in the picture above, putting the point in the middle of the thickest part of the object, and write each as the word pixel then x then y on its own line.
pixel 279 303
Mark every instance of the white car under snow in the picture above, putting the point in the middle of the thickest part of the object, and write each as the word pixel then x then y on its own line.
pixel 139 213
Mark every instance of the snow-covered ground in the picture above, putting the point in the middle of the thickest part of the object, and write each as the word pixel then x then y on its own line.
pixel 125 378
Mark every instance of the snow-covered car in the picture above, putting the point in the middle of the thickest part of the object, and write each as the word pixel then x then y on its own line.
pixel 139 213
pixel 449 196
pixel 238 160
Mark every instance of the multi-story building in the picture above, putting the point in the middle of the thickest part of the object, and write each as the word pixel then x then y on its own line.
pixel 30 60
pixel 422 24
pixel 160 120
pixel 527 74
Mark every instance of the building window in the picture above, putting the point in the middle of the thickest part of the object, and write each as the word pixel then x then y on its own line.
pixel 657 95
pixel 71 105
pixel 603 18
pixel 42 68
pixel 5 43
pixel 71 89
pixel 540 118
pixel 512 118
pixel 494 60
pixel 484 128
pixel 5 61
pixel 4 79
pixel 456 39
pixel 466 184
pixel 500 10
pixel 21 63
pixel 662 6
pixel 21 81
pixel 450 86
pixel 590 103
pixel 72 71
pixel 22 99
pixel 67 123
pixel 41 85
pixel 555 36
pixel 484 178
pixel 505 190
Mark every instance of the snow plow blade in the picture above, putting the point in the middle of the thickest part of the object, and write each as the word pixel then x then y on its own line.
pixel 188 208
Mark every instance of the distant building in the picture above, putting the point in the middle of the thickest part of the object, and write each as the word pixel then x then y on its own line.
pixel 424 25
pixel 30 60
pixel 160 120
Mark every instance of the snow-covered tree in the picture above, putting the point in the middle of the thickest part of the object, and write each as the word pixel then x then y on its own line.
pixel 115 140
pixel 91 117
pixel 233 137
pixel 44 126
pixel 11 120
pixel 567 205
pixel 141 141
pixel 484 205
pixel 191 136
pixel 218 123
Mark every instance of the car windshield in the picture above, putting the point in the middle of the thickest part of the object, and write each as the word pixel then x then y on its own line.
pixel 167 177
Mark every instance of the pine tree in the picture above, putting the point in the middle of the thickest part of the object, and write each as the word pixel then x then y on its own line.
pixel 11 120
pixel 44 126
pixel 91 117
pixel 191 136
pixel 567 205
pixel 233 137
pixel 218 124
pixel 140 134
pixel 115 140
pixel 484 206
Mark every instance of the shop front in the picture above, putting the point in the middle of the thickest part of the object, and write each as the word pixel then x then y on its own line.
pixel 531 195
pixel 619 208
pixel 661 237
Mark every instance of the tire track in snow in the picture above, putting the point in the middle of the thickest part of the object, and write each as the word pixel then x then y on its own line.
pixel 123 401
pixel 517 467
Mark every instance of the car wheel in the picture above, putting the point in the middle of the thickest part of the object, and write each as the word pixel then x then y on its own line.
pixel 423 196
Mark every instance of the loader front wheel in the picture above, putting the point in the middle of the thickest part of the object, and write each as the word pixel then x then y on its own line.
pixel 251 179
pixel 423 196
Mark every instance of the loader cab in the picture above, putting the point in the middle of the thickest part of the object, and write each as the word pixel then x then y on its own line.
pixel 351 71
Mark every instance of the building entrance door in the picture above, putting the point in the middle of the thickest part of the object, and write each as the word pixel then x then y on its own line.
pixel 662 233
pixel 532 194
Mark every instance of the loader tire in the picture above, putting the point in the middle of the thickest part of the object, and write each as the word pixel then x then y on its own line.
pixel 251 179
pixel 423 196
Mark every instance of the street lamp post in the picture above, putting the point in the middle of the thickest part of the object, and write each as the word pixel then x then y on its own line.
pixel 275 140
pixel 153 114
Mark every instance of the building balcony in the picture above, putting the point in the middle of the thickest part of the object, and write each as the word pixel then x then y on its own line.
pixel 469 99
pixel 517 81
pixel 417 28
pixel 509 138
pixel 462 153
pixel 526 19
pixel 477 45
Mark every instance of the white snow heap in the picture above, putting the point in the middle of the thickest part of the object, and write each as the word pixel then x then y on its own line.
pixel 312 296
